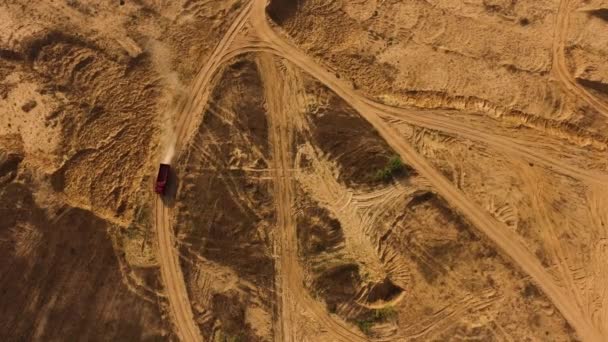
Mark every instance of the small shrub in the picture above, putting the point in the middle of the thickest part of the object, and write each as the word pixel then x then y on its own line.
pixel 29 105
pixel 385 314
pixel 365 326
pixel 223 337
pixel 531 291
pixel 377 316
pixel 235 338
pixel 393 167
pixel 237 4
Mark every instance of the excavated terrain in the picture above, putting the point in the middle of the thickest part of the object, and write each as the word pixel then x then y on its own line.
pixel 424 170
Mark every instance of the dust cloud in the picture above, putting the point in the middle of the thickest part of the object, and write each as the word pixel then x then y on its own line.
pixel 169 150
pixel 174 88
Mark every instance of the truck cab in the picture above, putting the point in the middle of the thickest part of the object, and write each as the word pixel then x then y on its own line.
pixel 162 179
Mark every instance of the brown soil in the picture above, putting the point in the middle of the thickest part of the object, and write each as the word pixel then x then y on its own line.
pixel 228 234
pixel 318 232
pixel 337 284
pixel 442 254
pixel 320 237
pixel 193 33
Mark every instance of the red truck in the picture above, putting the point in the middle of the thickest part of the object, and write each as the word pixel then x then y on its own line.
pixel 162 179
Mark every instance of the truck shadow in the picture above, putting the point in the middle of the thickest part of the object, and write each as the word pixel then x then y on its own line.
pixel 171 190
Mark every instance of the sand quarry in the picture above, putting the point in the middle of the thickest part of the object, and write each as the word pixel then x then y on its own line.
pixel 346 170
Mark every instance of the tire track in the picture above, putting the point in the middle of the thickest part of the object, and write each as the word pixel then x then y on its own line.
pixel 511 145
pixel 449 314
pixel 283 193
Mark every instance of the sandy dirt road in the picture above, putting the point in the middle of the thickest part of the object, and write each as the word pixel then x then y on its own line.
pixel 267 40
pixel 285 244
pixel 560 67
pixel 282 106
pixel 171 274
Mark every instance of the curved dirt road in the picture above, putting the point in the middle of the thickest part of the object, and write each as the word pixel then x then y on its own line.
pixel 504 143
pixel 194 102
pixel 199 90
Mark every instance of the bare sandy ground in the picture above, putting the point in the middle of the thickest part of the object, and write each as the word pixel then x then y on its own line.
pixel 343 171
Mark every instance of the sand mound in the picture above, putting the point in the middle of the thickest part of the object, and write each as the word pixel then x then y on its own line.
pixel 107 125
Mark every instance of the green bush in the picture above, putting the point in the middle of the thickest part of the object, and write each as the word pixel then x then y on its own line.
pixel 223 337
pixel 377 316
pixel 237 5
pixel 393 167
pixel 385 314
pixel 365 326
